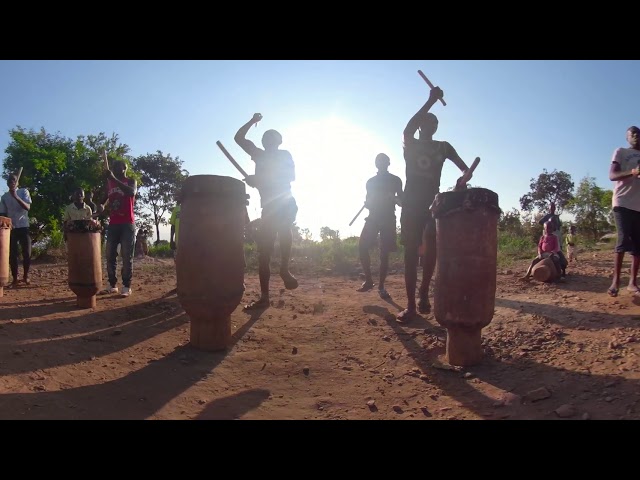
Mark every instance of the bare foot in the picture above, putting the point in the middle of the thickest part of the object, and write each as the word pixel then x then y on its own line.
pixel 366 286
pixel 407 315
pixel 263 302
pixel 290 282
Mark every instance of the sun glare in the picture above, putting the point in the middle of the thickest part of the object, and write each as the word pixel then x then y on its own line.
pixel 334 158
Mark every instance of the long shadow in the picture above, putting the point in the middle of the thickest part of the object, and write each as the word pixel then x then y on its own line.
pixel 112 314
pixel 577 282
pixel 520 377
pixel 232 407
pixel 81 338
pixel 39 310
pixel 390 301
pixel 29 303
pixel 136 396
pixel 569 317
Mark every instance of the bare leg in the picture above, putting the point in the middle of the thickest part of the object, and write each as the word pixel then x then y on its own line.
pixel 534 262
pixel 286 240
pixel 428 267
pixel 264 272
pixel 635 263
pixel 617 266
pixel 384 269
pixel 365 261
pixel 410 281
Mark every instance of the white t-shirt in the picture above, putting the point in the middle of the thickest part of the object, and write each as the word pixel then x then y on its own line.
pixel 626 192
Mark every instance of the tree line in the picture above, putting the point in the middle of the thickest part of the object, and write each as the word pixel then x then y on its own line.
pixel 53 165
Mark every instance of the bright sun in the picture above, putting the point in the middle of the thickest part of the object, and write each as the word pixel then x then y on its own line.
pixel 334 158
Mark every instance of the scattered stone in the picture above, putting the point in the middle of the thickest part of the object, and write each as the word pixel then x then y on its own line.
pixel 566 411
pixel 371 404
pixel 608 399
pixel 610 384
pixel 538 394
pixel 294 350
pixel 586 416
pixel 468 375
pixel 373 321
pixel 386 338
pixel 424 378
pixel 397 408
pixel 305 370
pixel 202 402
pixel 117 331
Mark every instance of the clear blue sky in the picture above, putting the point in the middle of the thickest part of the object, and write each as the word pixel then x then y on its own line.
pixel 335 116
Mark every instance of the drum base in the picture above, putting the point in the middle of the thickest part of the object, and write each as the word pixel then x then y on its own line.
pixel 86 302
pixel 210 334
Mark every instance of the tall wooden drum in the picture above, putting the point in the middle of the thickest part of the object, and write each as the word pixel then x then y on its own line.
pixel 467 254
pixel 85 260
pixel 5 244
pixel 210 260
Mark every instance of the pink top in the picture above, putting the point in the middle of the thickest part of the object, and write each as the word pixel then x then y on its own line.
pixel 549 243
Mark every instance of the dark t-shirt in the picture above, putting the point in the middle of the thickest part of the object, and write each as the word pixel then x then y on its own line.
pixel 381 192
pixel 424 161
pixel 274 173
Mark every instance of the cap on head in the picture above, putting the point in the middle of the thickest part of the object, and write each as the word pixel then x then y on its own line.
pixel 382 161
pixel 271 139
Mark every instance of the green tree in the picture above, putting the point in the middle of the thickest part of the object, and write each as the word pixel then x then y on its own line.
pixel 53 166
pixel 161 178
pixel 327 234
pixel 510 222
pixel 591 207
pixel 556 187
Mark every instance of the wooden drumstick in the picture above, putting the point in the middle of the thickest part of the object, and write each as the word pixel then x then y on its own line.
pixel 232 160
pixel 18 175
pixel 357 215
pixel 424 77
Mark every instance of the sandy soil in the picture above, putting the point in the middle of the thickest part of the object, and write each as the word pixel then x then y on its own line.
pixel 322 351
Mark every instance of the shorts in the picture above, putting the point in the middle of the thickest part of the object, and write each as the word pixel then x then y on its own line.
pixel 417 224
pixel 276 219
pixel 386 228
pixel 628 227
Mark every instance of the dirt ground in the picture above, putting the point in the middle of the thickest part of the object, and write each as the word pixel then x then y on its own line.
pixel 322 351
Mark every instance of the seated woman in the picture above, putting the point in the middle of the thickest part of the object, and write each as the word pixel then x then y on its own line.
pixel 548 246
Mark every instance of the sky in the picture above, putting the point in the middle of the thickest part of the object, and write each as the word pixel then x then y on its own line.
pixel 335 116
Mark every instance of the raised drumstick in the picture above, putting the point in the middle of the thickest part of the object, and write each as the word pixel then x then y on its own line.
pixel 18 175
pixel 424 77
